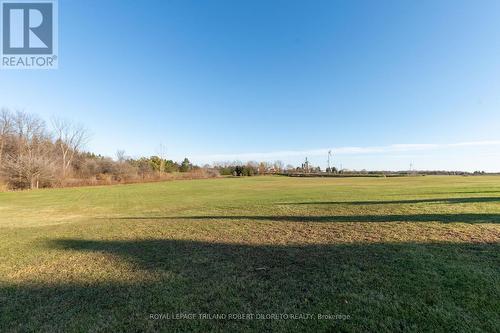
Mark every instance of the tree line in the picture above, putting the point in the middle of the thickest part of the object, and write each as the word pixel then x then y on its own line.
pixel 34 154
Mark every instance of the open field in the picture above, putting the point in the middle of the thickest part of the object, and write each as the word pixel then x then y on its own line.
pixel 395 254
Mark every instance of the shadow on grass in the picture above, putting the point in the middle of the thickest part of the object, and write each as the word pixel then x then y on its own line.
pixel 441 218
pixel 411 201
pixel 382 287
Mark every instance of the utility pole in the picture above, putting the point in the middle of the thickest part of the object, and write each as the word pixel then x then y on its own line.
pixel 330 155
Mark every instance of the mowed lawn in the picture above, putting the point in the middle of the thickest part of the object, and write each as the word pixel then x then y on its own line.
pixel 392 254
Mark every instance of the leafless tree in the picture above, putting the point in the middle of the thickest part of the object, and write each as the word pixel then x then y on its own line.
pixel 30 161
pixel 124 169
pixel 31 170
pixel 162 153
pixel 6 130
pixel 278 166
pixel 32 157
pixel 70 138
pixel 253 164
pixel 264 167
pixel 120 156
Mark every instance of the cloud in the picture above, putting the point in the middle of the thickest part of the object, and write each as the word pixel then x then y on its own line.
pixel 395 148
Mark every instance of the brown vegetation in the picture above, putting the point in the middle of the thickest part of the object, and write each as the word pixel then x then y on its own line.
pixel 34 156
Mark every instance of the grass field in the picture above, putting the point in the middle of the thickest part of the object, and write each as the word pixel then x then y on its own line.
pixel 393 254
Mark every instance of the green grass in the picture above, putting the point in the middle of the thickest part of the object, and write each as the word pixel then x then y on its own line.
pixel 394 254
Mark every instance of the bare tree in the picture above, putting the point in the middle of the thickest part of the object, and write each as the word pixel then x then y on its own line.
pixel 30 161
pixel 70 138
pixel 6 129
pixel 124 169
pixel 278 166
pixel 162 153
pixel 120 156
pixel 31 170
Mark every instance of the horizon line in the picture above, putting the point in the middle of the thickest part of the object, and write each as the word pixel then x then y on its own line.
pixel 346 150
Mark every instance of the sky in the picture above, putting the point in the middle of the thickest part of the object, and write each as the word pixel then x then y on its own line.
pixel 383 84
